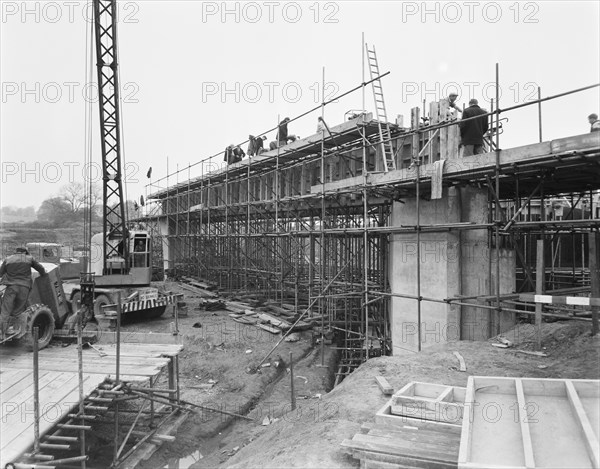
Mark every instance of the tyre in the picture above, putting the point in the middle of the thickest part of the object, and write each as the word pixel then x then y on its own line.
pixel 154 313
pixel 99 301
pixel 41 317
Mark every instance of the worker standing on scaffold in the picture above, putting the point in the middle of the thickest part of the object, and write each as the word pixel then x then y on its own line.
pixel 473 130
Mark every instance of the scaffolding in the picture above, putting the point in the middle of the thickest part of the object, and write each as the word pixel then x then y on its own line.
pixel 309 224
pixel 111 394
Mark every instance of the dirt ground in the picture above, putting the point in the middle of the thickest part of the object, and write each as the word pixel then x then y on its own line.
pixel 313 440
pixel 310 436
pixel 224 352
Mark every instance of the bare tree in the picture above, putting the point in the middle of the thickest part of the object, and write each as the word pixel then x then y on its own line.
pixel 75 196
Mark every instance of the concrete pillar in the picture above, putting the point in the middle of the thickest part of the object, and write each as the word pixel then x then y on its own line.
pixel 168 253
pixel 453 263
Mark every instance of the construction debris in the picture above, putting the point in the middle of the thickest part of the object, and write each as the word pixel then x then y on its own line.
pixel 383 384
pixel 494 344
pixel 530 352
pixel 213 305
pixel 268 316
pixel 461 361
pixel 293 337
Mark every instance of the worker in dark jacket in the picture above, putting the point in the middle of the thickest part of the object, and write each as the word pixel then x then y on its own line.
pixel 282 134
pixel 16 270
pixel 255 145
pixel 473 130
pixel 233 154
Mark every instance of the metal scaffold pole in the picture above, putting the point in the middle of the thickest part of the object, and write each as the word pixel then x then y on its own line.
pixel 497 206
pixel 365 197
pixel 281 224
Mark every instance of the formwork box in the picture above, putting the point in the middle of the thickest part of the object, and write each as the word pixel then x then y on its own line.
pixel 530 423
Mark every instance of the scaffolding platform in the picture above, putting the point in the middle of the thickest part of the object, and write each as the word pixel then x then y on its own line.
pixel 59 390
pixel 574 162
pixel 359 128
pixel 372 243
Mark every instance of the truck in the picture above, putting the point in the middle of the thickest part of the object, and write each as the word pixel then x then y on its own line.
pixel 52 253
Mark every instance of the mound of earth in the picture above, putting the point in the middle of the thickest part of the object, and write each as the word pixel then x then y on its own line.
pixel 310 437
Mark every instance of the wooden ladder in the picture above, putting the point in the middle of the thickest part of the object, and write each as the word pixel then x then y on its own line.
pixel 389 162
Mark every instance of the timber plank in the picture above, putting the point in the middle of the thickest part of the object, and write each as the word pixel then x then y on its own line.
pixel 101 369
pixel 59 390
pixel 93 360
pixel 160 341
pixel 51 393
pixel 384 417
pixel 524 422
pixel 94 356
pixel 25 386
pixel 383 384
pixel 424 451
pixel 427 409
pixel 24 439
pixel 18 393
pixel 441 438
pixel 371 457
pixel 149 350
pixel 589 435
pixel 10 378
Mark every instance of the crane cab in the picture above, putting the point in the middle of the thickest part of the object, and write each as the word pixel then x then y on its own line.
pixel 132 265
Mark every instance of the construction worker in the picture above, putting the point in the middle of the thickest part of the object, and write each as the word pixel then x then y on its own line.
pixel 233 154
pixel 594 123
pixel 16 270
pixel 282 134
pixel 255 145
pixel 473 130
pixel 452 103
pixel 320 125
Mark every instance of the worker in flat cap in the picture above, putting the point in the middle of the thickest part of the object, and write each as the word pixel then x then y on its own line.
pixel 452 102
pixel 16 270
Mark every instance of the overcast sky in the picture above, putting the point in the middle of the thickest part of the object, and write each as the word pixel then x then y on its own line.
pixel 197 76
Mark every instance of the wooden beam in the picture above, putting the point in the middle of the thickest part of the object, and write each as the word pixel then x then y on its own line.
pixel 461 361
pixel 524 422
pixel 383 384
pixel 590 438
pixel 466 437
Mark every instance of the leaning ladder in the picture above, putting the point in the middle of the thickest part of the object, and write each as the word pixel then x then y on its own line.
pixel 389 162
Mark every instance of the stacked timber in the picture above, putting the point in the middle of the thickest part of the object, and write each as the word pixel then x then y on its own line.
pixel 244 308
pixel 402 446
pixel 202 289
pixel 419 427
pixel 271 318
